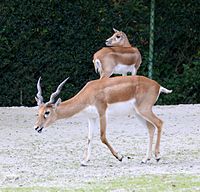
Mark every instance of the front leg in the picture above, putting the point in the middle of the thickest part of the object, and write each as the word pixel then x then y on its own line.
pixel 87 152
pixel 104 139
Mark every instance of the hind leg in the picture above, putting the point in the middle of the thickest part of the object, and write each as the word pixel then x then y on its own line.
pixel 157 147
pixel 134 71
pixel 151 130
pixel 153 122
pixel 106 74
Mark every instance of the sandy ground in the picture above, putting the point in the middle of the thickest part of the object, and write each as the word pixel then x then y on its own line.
pixel 52 158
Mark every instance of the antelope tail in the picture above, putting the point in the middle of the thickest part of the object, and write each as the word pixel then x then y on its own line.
pixel 97 66
pixel 164 90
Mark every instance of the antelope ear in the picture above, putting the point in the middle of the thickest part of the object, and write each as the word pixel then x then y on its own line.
pixel 58 102
pixel 115 30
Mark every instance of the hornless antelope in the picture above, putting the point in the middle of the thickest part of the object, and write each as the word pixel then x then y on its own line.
pixel 119 58
pixel 104 97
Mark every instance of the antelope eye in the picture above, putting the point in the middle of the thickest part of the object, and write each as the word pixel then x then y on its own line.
pixel 118 36
pixel 46 114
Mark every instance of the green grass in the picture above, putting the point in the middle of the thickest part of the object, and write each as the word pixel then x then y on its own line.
pixel 149 183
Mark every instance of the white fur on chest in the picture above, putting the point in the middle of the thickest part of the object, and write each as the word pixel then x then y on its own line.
pixel 124 69
pixel 116 109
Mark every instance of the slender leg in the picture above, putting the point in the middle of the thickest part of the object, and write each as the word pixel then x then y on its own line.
pixel 87 152
pixel 157 148
pixel 151 130
pixel 158 124
pixel 149 116
pixel 106 74
pixel 134 71
pixel 104 139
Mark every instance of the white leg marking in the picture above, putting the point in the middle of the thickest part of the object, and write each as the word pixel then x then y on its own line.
pixel 151 134
pixel 134 71
pixel 150 143
pixel 87 152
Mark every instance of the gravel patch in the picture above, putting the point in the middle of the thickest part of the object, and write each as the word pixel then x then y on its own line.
pixel 52 158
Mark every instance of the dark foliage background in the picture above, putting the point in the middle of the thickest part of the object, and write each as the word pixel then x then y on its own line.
pixel 56 39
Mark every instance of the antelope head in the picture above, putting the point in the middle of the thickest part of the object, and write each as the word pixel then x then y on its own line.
pixel 47 112
pixel 118 39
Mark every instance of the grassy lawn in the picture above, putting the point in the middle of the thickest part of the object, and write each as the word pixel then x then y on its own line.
pixel 149 183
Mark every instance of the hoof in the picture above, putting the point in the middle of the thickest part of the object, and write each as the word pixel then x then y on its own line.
pixel 84 164
pixel 119 157
pixel 145 161
pixel 158 159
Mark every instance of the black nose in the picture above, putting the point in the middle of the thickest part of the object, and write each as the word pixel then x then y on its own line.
pixel 38 129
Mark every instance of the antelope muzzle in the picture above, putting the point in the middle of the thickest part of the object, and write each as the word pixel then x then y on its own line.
pixel 39 129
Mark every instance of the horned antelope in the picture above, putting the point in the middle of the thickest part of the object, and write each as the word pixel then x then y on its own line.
pixel 119 58
pixel 102 98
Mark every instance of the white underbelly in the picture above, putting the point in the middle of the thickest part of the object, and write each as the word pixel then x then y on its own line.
pixel 117 109
pixel 124 69
pixel 121 108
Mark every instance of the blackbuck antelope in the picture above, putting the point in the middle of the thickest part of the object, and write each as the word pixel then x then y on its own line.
pixel 119 58
pixel 102 98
